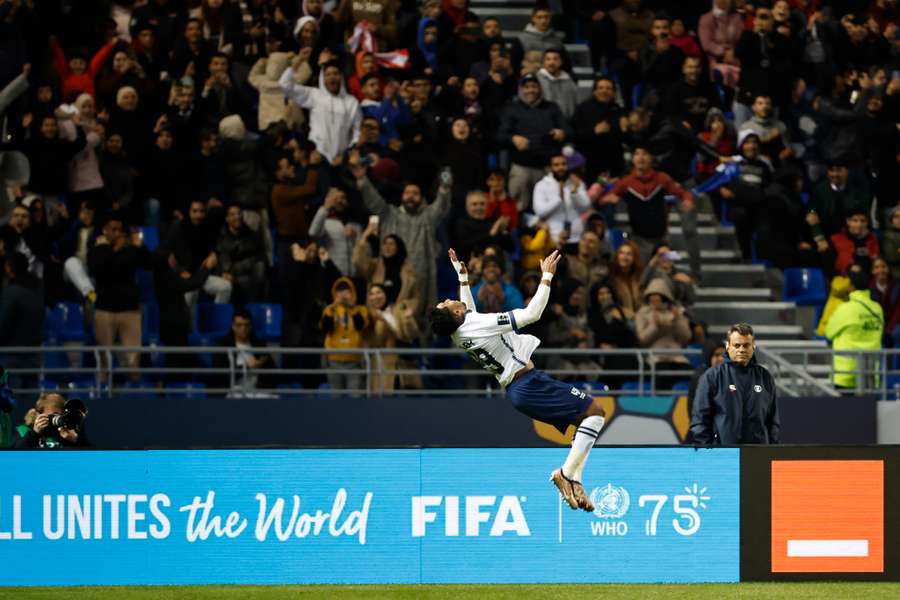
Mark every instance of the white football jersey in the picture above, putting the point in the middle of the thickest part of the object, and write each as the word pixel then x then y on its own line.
pixel 491 341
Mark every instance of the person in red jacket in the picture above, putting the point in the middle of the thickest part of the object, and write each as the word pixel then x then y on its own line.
pixel 855 244
pixel 76 75
pixel 645 190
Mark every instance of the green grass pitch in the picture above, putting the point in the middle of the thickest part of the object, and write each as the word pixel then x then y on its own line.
pixel 740 591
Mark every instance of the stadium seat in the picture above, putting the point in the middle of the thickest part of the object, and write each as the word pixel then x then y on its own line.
pixel 214 320
pixel 65 323
pixel 151 237
pixel 804 286
pixel 266 319
pixel 150 324
pixel 695 359
pixel 186 389
pixel 616 237
pixel 682 386
pixel 637 93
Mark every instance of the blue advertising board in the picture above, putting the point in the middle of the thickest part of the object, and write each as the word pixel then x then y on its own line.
pixel 366 516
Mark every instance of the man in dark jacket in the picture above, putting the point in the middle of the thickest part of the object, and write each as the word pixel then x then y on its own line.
pixel 242 257
pixel 736 402
pixel 534 129
pixel 597 133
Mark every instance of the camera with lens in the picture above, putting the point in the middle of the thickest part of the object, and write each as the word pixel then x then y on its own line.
pixel 72 416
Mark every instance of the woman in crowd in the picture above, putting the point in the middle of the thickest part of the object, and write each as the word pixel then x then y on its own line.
pixel 391 324
pixel 625 278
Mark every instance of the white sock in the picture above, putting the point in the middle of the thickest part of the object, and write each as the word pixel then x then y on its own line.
pixel 585 436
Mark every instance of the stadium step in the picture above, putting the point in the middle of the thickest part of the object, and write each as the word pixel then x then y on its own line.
pixel 799 352
pixel 763 332
pixel 757 313
pixel 726 294
pixel 710 237
pixel 725 275
pixel 704 218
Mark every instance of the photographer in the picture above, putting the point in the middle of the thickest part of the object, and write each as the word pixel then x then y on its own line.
pixel 52 423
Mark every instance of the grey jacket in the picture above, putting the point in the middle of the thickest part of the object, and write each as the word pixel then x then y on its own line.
pixel 418 232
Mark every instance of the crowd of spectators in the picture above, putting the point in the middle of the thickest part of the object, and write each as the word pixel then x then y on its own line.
pixel 324 155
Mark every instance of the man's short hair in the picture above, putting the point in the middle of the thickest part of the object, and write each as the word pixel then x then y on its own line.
pixel 366 78
pixel 241 313
pixel 859 277
pixel 740 329
pixel 442 321
pixel 857 211
pixel 604 78
pixel 112 216
pixel 539 7
pixel 553 51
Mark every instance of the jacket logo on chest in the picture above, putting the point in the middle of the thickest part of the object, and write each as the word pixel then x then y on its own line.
pixel 757 388
pixel 732 388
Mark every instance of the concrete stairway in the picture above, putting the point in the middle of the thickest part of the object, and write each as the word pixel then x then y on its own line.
pixel 514 15
pixel 732 291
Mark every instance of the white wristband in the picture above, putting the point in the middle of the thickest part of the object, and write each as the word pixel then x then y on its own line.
pixel 547 276
pixel 464 278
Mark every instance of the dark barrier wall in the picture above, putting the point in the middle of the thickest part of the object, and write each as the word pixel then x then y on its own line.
pixel 426 421
pixel 820 513
pixel 829 420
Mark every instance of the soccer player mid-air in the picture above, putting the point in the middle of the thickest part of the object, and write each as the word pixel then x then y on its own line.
pixel 492 340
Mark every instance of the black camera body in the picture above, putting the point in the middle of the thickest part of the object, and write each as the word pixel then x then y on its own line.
pixel 72 416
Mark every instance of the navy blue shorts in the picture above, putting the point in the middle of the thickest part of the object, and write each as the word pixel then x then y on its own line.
pixel 543 398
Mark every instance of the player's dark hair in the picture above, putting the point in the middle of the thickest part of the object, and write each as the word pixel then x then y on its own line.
pixel 442 321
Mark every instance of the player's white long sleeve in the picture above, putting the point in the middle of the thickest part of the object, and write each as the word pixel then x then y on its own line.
pixel 465 296
pixel 532 313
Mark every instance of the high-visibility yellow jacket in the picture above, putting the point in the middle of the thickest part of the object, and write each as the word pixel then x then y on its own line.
pixel 855 325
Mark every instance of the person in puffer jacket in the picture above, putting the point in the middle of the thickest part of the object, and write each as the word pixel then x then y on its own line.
pixel 343 322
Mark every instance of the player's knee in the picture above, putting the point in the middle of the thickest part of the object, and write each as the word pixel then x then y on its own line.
pixel 595 410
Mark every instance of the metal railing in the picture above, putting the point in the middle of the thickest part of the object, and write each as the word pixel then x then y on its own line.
pixel 102 371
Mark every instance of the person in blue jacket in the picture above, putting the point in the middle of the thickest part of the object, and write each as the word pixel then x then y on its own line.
pixel 736 401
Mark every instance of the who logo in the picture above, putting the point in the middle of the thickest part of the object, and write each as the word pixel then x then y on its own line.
pixel 610 504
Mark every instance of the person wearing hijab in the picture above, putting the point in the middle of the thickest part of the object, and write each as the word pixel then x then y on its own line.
pixel 328 31
pixel 85 181
pixel 391 268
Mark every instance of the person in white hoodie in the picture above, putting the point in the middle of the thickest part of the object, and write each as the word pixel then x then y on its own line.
pixel 334 115
pixel 557 85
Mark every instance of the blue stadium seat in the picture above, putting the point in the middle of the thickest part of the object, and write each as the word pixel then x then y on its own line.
pixel 266 319
pixel 186 389
pixel 616 237
pixel 151 237
pixel 65 323
pixel 150 324
pixel 637 93
pixel 146 292
pixel 634 386
pixel 696 359
pixel 214 320
pixel 138 390
pixel 682 386
pixel 805 286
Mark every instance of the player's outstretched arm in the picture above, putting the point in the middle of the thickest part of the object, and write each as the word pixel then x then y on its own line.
pixel 532 312
pixel 465 292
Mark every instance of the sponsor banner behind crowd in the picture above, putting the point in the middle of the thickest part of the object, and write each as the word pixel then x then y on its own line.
pixel 366 516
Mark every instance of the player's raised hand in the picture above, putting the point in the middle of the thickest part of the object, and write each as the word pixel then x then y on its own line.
pixel 548 265
pixel 459 266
